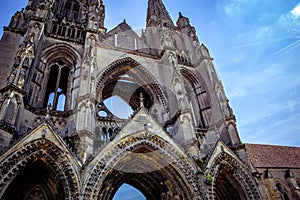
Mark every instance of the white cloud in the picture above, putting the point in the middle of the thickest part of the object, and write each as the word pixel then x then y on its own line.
pixel 296 11
pixel 231 8
pixel 283 131
pixel 241 84
pixel 276 27
pixel 272 70
pixel 238 58
pixel 268 112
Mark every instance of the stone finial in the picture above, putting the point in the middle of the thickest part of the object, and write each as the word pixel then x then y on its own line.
pixel 49 108
pixel 180 15
pixel 141 100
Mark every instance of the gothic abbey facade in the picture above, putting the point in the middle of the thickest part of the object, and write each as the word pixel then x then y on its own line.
pixel 59 140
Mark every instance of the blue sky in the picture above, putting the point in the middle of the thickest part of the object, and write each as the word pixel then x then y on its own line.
pixel 256 49
pixel 127 192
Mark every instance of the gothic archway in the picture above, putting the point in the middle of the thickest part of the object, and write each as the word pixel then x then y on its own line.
pixel 145 161
pixel 53 77
pixel 128 191
pixel 38 164
pixel 35 181
pixel 231 179
pixel 283 191
pixel 198 96
pixel 227 187
pixel 130 71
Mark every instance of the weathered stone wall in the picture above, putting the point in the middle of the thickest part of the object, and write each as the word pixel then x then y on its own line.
pixel 280 183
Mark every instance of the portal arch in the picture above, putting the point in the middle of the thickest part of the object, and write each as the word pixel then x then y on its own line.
pixel 231 179
pixel 145 161
pixel 46 167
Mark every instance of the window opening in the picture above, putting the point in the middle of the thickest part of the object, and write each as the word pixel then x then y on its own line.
pixel 56 92
pixel 71 10
pixel 118 107
pixel 286 197
pixel 195 104
pixel 78 34
pixel 69 32
pixel 50 98
pixel 54 29
pixel 61 102
pixel 73 33
pixel 59 30
pixel 128 192
pixel 64 31
pixel 102 113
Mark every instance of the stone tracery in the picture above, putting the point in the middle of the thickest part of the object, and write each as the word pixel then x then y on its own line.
pixel 142 76
pixel 66 59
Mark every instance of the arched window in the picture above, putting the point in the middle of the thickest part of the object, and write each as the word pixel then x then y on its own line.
pixel 282 191
pixel 198 98
pixel 54 29
pixel 51 98
pixel 56 91
pixel 61 102
pixel 279 187
pixel 36 193
pixel 71 10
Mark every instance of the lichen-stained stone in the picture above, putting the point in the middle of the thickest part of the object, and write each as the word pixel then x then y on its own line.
pixel 61 139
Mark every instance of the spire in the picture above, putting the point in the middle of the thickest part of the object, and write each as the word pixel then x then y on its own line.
pixel 157 14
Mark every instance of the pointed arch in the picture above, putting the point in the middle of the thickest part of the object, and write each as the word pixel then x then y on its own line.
pixel 198 96
pixel 146 161
pixel 231 178
pixel 55 73
pixel 58 51
pixel 40 155
pixel 123 191
pixel 283 189
pixel 36 192
pixel 139 75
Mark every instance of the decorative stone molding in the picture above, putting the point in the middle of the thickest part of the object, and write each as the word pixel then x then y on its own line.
pixel 23 154
pixel 224 159
pixel 104 163
pixel 148 79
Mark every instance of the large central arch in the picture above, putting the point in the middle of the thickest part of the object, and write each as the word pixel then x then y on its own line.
pixel 145 161
pixel 137 74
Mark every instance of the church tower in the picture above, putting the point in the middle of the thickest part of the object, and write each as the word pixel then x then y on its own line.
pixel 60 139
